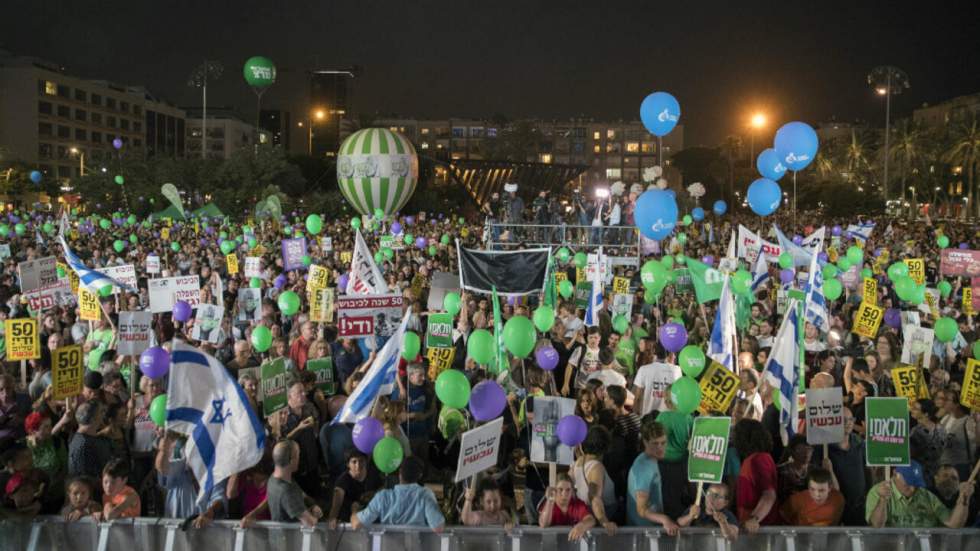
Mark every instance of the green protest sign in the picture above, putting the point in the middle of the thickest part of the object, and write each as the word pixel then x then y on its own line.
pixel 273 386
pixel 887 431
pixel 439 331
pixel 708 447
pixel 324 374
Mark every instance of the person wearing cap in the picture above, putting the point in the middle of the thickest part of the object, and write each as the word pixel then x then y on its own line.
pixel 903 501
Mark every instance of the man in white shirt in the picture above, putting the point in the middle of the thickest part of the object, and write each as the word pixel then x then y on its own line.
pixel 651 381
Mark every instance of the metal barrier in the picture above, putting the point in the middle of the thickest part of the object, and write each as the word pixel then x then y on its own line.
pixel 144 534
pixel 620 242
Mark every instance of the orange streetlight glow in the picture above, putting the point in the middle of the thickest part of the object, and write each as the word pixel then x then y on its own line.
pixel 758 120
pixel 320 114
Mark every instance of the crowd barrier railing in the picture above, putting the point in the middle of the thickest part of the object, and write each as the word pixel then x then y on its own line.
pixel 148 534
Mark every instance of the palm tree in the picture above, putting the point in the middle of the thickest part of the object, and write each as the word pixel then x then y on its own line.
pixel 855 157
pixel 908 148
pixel 964 151
pixel 732 147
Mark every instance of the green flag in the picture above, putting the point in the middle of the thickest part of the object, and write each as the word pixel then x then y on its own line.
pixel 498 334
pixel 707 281
pixel 550 287
pixel 708 447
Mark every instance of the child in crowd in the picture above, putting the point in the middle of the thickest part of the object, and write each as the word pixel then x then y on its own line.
pixel 715 513
pixel 80 504
pixel 118 500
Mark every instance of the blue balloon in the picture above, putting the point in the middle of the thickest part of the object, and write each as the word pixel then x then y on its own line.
pixel 764 196
pixel 697 214
pixel 656 214
pixel 35 177
pixel 720 207
pixel 769 165
pixel 796 144
pixel 660 113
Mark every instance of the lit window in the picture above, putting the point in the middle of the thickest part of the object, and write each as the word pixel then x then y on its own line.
pixel 614 173
pixel 595 135
pixel 425 131
pixel 597 149
pixel 393 128
pixel 50 88
pixel 632 147
pixel 647 148
pixel 610 134
pixel 424 145
pixel 545 158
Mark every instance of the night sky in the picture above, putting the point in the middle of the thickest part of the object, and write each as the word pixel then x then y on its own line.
pixel 795 60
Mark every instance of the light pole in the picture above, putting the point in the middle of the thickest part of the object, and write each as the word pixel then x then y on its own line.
pixel 199 79
pixel 888 81
pixel 81 160
pixel 318 114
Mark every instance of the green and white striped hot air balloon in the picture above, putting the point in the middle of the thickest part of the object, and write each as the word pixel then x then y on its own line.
pixel 377 169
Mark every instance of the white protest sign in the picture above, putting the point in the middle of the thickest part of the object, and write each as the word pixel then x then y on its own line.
pixel 545 446
pixel 824 415
pixel 623 305
pixel 478 449
pixel 4 251
pixel 165 291
pixel 326 244
pixel 37 273
pixel 917 349
pixel 134 332
pixel 152 264
pixel 605 269
pixel 49 296
pixel 207 323
pixel 253 266
pixel 123 274
pixel 750 244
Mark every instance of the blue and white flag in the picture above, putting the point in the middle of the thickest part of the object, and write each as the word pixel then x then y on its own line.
pixel 92 280
pixel 595 297
pixel 378 381
pixel 816 310
pixel 204 402
pixel 860 231
pixel 801 255
pixel 722 346
pixel 760 274
pixel 783 371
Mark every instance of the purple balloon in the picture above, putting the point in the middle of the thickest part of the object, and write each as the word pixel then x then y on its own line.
pixel 208 230
pixel 673 336
pixel 572 430
pixel 708 259
pixel 409 220
pixel 117 143
pixel 823 257
pixel 182 311
pixel 797 240
pixel 836 231
pixel 342 281
pixel 487 400
pixel 420 242
pixel 547 358
pixel 964 246
pixel 396 228
pixel 280 281
pixel 786 276
pixel 155 362
pixel 893 318
pixel 367 432
pixel 204 242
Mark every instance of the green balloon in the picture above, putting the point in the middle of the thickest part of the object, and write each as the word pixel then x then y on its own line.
pixel 307 260
pixel 855 255
pixel 904 287
pixel 686 395
pixel 119 179
pixel 47 227
pixel 844 263
pixel 742 282
pixel 259 72
pixel 668 262
pixel 223 235
pixel 379 257
pixel 451 422
pixel 378 213
pixel 314 224
pixel 687 220
pixel 620 324
pixel 355 223
pixel 653 275
pixel 691 360
pixel 897 270
pixel 682 238
pixel 432 250
pixel 118 245
pixel 544 318
pixel 565 288
pixel 409 239
pixel 158 410
pixel 453 388
pixel 563 254
pixel 681 259
pixel 105 290
pixel 829 271
pixel 388 253
pixel 581 260
pixel 519 336
pixel 946 329
pixel 133 239
pixel 651 296
pixel 451 302
pixel 480 346
pixel 246 229
pixel 444 239
pixel 945 288
pixel 61 272
pixel 226 247
pixel 288 302
pixel 388 454
pixel 4 230
pixel 866 272
pixel 255 283
pixel 19 229
pixel 104 224
pixel 832 288
pixel 785 260
pixel 942 241
pixel 410 346
pixel 175 247
pixel 261 338
pixel 252 242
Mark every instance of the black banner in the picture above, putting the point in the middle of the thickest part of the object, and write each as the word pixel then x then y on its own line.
pixel 512 272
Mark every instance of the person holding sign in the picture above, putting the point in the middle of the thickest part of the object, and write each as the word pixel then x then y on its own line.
pixel 904 502
pixel 488 494
pixel 715 513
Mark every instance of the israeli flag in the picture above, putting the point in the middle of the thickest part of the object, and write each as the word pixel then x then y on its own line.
pixel 783 371
pixel 92 280
pixel 860 231
pixel 204 402
pixel 760 274
pixel 721 347
pixel 816 310
pixel 378 381
pixel 595 297
pixel 801 255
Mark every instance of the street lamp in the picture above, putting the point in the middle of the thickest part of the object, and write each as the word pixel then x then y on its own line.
pixel 319 114
pixel 888 81
pixel 757 122
pixel 81 160
pixel 199 79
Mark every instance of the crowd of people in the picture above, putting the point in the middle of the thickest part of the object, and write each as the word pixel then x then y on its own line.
pixel 100 455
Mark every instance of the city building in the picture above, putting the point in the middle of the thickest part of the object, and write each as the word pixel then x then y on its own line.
pixel 838 130
pixel 64 124
pixel 226 133
pixel 941 114
pixel 329 121
pixel 276 123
